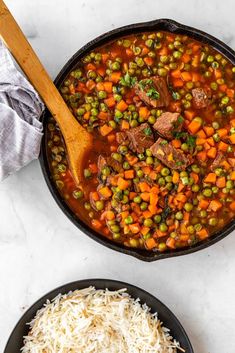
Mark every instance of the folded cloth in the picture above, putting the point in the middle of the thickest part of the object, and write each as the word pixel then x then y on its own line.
pixel 20 110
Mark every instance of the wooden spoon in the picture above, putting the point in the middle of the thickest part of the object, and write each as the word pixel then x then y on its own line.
pixel 78 141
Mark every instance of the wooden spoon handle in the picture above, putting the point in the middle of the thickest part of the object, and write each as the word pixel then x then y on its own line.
pixel 22 51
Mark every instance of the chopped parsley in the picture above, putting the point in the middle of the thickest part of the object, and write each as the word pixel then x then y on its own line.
pixel 189 139
pixel 153 93
pixel 175 96
pixel 144 83
pixel 151 90
pixel 147 131
pixel 164 142
pixel 127 80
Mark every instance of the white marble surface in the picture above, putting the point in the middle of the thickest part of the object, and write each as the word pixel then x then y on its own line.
pixel 41 249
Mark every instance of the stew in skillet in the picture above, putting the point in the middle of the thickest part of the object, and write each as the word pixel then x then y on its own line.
pixel 161 174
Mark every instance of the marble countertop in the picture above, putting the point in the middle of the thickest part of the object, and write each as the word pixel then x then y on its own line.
pixel 41 249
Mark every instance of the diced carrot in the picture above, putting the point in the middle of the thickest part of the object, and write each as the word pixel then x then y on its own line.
pixel 189 114
pixel 163 51
pixel 175 177
pixel 186 76
pixel 101 71
pixel 93 168
pixel 147 214
pixel 186 216
pixel 108 86
pixel 217 73
pixel 232 206
pixel 111 138
pixel 109 215
pixel 122 183
pixel 223 88
pixel 110 102
pixel 104 57
pixel 211 141
pixel 100 86
pixel 90 66
pixel 125 125
pixel 145 196
pixel 202 234
pixel 105 130
pixel 122 106
pixel 232 175
pixel 152 209
pixel 202 156
pixel 200 141
pixel 211 153
pixel 96 223
pixel 176 73
pixel 195 177
pixel 94 196
pixel 115 76
pixel 181 198
pixel 215 205
pixel 90 84
pixel 232 138
pixel 131 159
pixel 144 187
pixel 222 132
pixel 129 174
pixel 210 178
pixel 87 115
pixel 150 243
pixel 103 115
pixel 146 170
pixel 201 134
pixel 113 148
pixel 221 182
pixel 226 165
pixel 132 195
pixel 145 51
pixel 209 130
pixel 176 143
pixel 105 192
pixel 129 52
pixel 203 204
pixel 144 112
pixel 196 77
pixel 177 82
pixel 194 126
pixel 180 187
pixel 232 122
pixel 144 230
pixel 153 199
pixel 148 61
pixel 195 62
pixel 153 175
pixel 222 146
pixel 134 228
pixel 170 242
pixel 185 58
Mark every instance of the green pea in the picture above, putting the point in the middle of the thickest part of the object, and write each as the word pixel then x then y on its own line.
pixel 157 218
pixel 128 220
pixel 203 214
pixel 148 222
pixel 61 168
pixel 168 178
pixel 78 194
pixel 215 125
pixel 87 206
pixel 162 246
pixel 115 228
pixel 161 181
pixel 213 221
pixel 225 100
pixel 173 235
pixel 215 189
pixel 137 199
pixel 207 192
pixel 198 227
pixel 188 207
pixel 99 205
pixel 116 236
pixel 126 165
pixel 162 72
pixel 229 184
pixel 195 169
pixel 140 173
pixel 151 119
pixel 165 171
pixel 87 173
pixel 126 43
pixel 148 152
pixel 94 111
pixel 115 66
pixel 214 86
pixel 141 156
pixel 163 227
pixel 118 114
pixel 229 109
pixel 117 157
pixel 219 171
pixel 149 160
pixel 149 43
pixel 195 188
pixel 113 124
pixel 123 149
pixel 210 59
pixel 81 111
pixel 179 216
pixel 177 54
pixel 169 186
pixel 139 62
pixel 185 180
pixel 191 229
pixel 184 146
pixel 105 170
pixel 143 206
pixel 134 242
pixel 134 123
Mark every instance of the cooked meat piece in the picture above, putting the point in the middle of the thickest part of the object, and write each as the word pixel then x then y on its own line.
pixel 216 162
pixel 153 91
pixel 140 138
pixel 168 123
pixel 122 138
pixel 109 161
pixel 170 156
pixel 200 98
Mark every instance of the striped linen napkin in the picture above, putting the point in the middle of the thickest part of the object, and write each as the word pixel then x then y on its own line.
pixel 20 110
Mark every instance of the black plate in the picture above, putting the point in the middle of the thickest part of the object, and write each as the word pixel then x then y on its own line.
pixel 169 320
pixel 157 25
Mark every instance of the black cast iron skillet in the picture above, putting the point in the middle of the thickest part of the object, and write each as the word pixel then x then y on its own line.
pixel 157 25
pixel 169 320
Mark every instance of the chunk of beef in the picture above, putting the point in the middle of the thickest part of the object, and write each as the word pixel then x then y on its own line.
pixel 200 98
pixel 138 139
pixel 170 156
pixel 153 91
pixel 217 161
pixel 109 161
pixel 168 123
